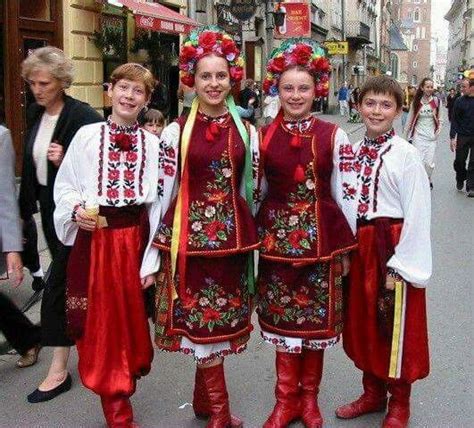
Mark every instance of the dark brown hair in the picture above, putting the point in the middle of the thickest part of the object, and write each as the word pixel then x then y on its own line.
pixel 382 85
pixel 152 115
pixel 419 93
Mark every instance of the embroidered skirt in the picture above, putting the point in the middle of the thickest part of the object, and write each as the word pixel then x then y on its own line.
pixel 214 308
pixel 301 302
pixel 363 340
pixel 115 346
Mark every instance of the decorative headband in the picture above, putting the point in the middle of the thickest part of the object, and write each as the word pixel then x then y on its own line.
pixel 301 52
pixel 205 41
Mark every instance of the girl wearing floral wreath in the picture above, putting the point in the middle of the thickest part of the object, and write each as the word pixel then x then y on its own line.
pixel 305 235
pixel 106 196
pixel 207 234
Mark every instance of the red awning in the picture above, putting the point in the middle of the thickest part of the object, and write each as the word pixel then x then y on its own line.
pixel 156 17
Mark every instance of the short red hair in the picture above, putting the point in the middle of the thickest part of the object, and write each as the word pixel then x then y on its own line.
pixel 136 73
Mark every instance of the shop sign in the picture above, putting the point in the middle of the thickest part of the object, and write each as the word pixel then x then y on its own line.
pixel 161 25
pixel 337 48
pixel 243 10
pixel 297 21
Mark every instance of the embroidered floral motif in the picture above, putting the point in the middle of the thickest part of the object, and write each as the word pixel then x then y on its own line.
pixel 167 163
pixel 349 192
pixel 212 220
pixel 300 126
pixel 314 345
pixel 301 305
pixel 76 303
pixel 292 231
pixel 212 306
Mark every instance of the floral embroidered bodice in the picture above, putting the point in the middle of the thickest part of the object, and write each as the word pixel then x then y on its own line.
pixel 298 218
pixel 219 219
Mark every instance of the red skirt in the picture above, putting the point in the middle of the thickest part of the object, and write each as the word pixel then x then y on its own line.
pixel 115 348
pixel 363 340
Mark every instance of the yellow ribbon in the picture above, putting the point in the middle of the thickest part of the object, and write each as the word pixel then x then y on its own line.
pixel 176 234
pixel 397 331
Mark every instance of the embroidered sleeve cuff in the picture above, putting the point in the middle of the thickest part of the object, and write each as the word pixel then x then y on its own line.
pixel 74 212
pixel 394 274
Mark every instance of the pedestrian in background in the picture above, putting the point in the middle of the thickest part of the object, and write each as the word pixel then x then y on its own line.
pixel 423 124
pixel 462 138
pixel 246 95
pixel 186 95
pixel 109 213
pixel 452 96
pixel 271 106
pixel 153 121
pixel 342 97
pixel 207 233
pixel 383 191
pixel 22 335
pixel 408 95
pixel 305 237
pixel 52 122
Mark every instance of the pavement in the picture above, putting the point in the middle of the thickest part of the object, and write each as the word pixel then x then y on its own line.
pixel 162 400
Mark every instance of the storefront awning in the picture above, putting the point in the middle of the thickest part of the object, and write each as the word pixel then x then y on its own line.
pixel 156 17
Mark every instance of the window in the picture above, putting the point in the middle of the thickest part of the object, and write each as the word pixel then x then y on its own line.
pixel 394 65
pixel 38 9
pixel 416 15
pixel 415 47
pixel 415 64
pixel 423 32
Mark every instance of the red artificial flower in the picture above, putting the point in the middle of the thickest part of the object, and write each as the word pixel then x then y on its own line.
pixel 213 228
pixel 295 237
pixel 207 40
pixel 188 80
pixel 124 141
pixel 129 175
pixel 321 64
pixel 267 85
pixel 236 73
pixel 187 53
pixel 113 174
pixel 228 46
pixel 275 309
pixel 169 170
pixel 132 157
pixel 114 156
pixel 277 65
pixel 269 242
pixel 302 53
pixel 112 193
pixel 210 314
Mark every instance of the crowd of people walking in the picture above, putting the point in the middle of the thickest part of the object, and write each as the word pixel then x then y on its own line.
pixel 133 209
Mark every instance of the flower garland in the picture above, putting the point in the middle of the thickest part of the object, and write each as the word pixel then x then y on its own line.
pixel 298 52
pixel 205 41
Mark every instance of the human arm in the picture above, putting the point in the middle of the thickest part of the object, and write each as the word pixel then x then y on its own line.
pixel 455 116
pixel 412 259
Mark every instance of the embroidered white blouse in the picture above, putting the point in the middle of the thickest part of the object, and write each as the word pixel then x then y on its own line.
pixel 95 169
pixel 388 180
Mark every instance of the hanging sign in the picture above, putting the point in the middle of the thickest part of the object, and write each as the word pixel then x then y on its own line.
pixel 337 48
pixel 243 10
pixel 297 21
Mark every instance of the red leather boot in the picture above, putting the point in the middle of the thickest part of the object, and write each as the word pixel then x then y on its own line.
pixel 201 401
pixel 398 405
pixel 311 374
pixel 118 411
pixel 287 407
pixel 374 399
pixel 218 398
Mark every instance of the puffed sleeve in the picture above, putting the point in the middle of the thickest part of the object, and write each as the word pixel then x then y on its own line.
pixel 261 185
pixel 342 153
pixel 151 257
pixel 168 179
pixel 412 258
pixel 67 190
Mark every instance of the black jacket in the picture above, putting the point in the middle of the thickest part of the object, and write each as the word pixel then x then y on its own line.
pixel 74 114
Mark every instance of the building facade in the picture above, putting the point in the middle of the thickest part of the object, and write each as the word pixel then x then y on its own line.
pixel 413 18
pixel 461 40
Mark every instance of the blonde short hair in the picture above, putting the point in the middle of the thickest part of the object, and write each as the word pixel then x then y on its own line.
pixel 51 59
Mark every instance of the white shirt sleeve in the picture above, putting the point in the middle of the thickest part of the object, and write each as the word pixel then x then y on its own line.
pixel 412 258
pixel 67 192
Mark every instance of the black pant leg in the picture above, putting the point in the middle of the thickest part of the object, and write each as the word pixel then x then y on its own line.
pixel 47 220
pixel 30 254
pixel 470 165
pixel 19 331
pixel 462 151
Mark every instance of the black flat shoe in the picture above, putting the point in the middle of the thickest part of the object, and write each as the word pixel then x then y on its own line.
pixel 38 396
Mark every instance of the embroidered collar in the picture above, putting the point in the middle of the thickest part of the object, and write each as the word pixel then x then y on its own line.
pixel 220 120
pixel 381 139
pixel 121 129
pixel 300 126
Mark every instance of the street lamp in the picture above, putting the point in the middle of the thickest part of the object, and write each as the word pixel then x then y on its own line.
pixel 278 14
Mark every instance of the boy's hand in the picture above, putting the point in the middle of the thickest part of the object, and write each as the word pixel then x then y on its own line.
pixel 453 144
pixel 390 282
pixel 148 281
pixel 346 264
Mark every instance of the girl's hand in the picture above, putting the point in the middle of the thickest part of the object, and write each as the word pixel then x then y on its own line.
pixel 346 264
pixel 15 268
pixel 84 221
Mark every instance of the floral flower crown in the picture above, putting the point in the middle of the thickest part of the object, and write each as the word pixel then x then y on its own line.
pixel 209 40
pixel 302 52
